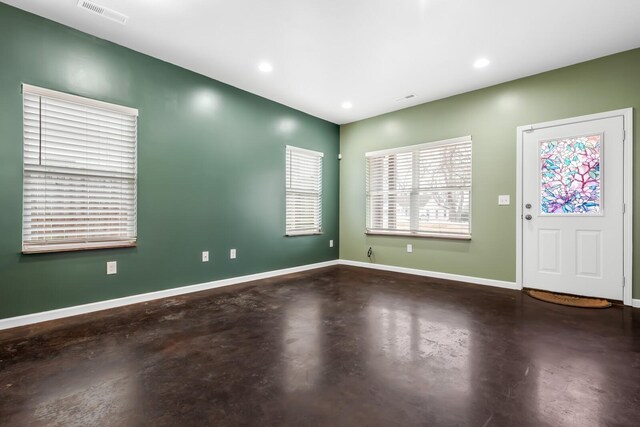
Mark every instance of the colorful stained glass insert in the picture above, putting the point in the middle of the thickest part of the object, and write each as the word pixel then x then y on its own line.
pixel 570 175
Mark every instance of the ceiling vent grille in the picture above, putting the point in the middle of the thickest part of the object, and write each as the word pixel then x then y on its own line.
pixel 405 98
pixel 103 11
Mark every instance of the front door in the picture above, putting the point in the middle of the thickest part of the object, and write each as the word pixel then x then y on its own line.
pixel 572 208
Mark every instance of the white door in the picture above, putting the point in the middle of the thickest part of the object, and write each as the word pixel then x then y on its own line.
pixel 572 207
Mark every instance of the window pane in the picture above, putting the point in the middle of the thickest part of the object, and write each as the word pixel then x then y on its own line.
pixel 390 211
pixel 303 191
pixel 570 175
pixel 444 212
pixel 423 189
pixel 79 169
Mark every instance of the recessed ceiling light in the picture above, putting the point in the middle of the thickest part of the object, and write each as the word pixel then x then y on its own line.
pixel 265 67
pixel 347 105
pixel 481 63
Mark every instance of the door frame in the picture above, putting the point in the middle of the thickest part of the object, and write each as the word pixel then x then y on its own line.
pixel 627 120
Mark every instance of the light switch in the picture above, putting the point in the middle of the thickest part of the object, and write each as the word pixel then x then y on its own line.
pixel 112 267
pixel 409 247
pixel 330 243
pixel 232 254
pixel 205 256
pixel 504 199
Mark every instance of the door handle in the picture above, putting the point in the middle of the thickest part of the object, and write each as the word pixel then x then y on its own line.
pixel 528 217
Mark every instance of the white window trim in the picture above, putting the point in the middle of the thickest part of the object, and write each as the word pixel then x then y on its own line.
pixel 87 243
pixel 40 91
pixel 408 148
pixel 79 246
pixel 413 148
pixel 304 151
pixel 293 233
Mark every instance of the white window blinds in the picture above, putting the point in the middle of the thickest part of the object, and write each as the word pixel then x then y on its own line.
pixel 303 191
pixel 79 188
pixel 421 190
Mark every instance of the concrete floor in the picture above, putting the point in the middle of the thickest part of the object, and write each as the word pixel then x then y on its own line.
pixel 340 346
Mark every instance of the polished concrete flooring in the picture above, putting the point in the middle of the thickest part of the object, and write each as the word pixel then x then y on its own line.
pixel 340 346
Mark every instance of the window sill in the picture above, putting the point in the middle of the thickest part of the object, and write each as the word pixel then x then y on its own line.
pixel 466 237
pixel 313 233
pixel 73 247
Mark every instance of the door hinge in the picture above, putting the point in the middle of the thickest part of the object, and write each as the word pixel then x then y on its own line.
pixel 624 281
pixel 624 135
pixel 624 208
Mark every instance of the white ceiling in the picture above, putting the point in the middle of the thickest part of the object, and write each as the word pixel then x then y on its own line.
pixel 367 52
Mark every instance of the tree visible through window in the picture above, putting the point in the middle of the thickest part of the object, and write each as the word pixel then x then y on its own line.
pixel 421 190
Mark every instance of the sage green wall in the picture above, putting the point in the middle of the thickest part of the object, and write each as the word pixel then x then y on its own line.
pixel 210 169
pixel 490 116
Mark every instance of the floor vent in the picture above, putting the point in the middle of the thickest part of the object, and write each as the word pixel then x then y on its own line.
pixel 103 11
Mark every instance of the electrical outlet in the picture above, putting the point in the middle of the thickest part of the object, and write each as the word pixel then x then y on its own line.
pixel 232 254
pixel 112 267
pixel 330 243
pixel 409 247
pixel 205 256
pixel 504 199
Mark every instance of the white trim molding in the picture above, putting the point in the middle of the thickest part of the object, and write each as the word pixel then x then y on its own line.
pixel 29 319
pixel 436 274
pixel 627 117
pixel 304 151
pixel 420 146
pixel 40 91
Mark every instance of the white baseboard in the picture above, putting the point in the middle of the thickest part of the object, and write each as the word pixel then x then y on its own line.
pixel 436 274
pixel 439 275
pixel 28 319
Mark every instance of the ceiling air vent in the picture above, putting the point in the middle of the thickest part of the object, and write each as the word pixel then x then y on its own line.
pixel 103 11
pixel 405 98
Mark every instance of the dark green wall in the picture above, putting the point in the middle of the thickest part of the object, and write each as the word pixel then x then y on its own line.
pixel 210 172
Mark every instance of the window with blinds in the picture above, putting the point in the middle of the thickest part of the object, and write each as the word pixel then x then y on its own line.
pixel 79 187
pixel 422 190
pixel 303 191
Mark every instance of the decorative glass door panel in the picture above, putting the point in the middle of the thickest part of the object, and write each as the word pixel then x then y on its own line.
pixel 570 176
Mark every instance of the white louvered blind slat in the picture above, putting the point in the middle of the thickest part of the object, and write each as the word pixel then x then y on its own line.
pixel 80 173
pixel 303 191
pixel 420 190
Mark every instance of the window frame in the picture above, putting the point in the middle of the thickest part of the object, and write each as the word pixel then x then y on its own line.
pixel 32 246
pixel 317 230
pixel 415 190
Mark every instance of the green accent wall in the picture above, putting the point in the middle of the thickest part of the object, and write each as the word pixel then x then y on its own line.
pixel 211 162
pixel 491 117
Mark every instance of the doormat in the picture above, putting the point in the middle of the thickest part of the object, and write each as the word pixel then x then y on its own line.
pixel 570 300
